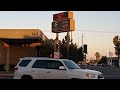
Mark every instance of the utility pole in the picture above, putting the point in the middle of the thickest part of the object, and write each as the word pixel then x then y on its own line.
pixel 82 47
pixel 82 42
pixel 78 42
pixel 84 54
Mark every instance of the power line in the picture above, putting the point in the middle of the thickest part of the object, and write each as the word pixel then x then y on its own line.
pixel 85 31
pixel 100 49
pixel 96 31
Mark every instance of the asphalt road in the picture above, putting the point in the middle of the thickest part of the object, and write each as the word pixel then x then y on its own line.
pixel 6 77
pixel 108 71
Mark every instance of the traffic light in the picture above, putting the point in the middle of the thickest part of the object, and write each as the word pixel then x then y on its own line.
pixel 57 47
pixel 85 48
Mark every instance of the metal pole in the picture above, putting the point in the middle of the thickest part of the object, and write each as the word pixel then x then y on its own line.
pixel 118 60
pixel 82 47
pixel 85 59
pixel 110 61
pixel 7 64
pixel 57 36
pixel 71 37
pixel 68 40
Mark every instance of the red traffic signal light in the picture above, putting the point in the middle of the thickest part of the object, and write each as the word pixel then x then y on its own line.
pixel 57 45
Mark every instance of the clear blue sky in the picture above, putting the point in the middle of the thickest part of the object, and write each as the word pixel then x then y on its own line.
pixel 96 26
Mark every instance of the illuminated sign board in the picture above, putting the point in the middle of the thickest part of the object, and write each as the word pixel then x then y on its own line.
pixel 67 25
pixel 63 22
pixel 56 27
pixel 59 16
pixel 64 25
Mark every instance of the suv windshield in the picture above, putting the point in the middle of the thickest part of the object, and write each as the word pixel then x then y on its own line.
pixel 71 65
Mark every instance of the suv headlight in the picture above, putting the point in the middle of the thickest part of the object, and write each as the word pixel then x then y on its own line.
pixel 90 75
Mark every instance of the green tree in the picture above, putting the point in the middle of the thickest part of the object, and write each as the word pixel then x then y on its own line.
pixel 116 42
pixel 63 49
pixel 80 54
pixel 103 60
pixel 75 53
pixel 47 48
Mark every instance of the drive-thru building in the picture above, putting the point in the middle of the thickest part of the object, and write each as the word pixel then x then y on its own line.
pixel 17 43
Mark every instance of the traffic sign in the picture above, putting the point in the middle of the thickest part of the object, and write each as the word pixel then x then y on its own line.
pixel 56 55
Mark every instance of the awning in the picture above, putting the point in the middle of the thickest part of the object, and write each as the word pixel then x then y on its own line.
pixel 12 41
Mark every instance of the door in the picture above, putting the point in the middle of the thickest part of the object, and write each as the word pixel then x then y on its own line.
pixel 39 69
pixel 54 72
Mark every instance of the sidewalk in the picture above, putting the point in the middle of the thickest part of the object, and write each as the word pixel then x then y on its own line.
pixel 4 73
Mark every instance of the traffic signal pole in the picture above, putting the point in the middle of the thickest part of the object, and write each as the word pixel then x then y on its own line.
pixel 82 48
pixel 57 39
pixel 57 36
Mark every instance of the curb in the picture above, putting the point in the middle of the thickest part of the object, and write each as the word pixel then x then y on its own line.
pixel 6 74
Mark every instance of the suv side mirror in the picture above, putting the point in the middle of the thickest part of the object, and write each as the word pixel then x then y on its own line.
pixel 61 67
pixel 79 65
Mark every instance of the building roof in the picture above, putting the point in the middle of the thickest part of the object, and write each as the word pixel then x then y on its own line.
pixel 22 36
pixel 12 41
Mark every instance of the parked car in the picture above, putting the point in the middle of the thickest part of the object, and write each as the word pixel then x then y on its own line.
pixel 50 68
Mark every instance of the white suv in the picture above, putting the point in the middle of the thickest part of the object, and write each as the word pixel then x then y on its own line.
pixel 50 68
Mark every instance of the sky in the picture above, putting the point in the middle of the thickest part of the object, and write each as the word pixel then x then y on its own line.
pixel 98 27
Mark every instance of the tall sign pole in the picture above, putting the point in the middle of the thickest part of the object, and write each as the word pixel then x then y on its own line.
pixel 68 40
pixel 63 22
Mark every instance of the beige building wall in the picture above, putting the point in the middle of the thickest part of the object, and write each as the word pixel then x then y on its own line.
pixel 15 53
